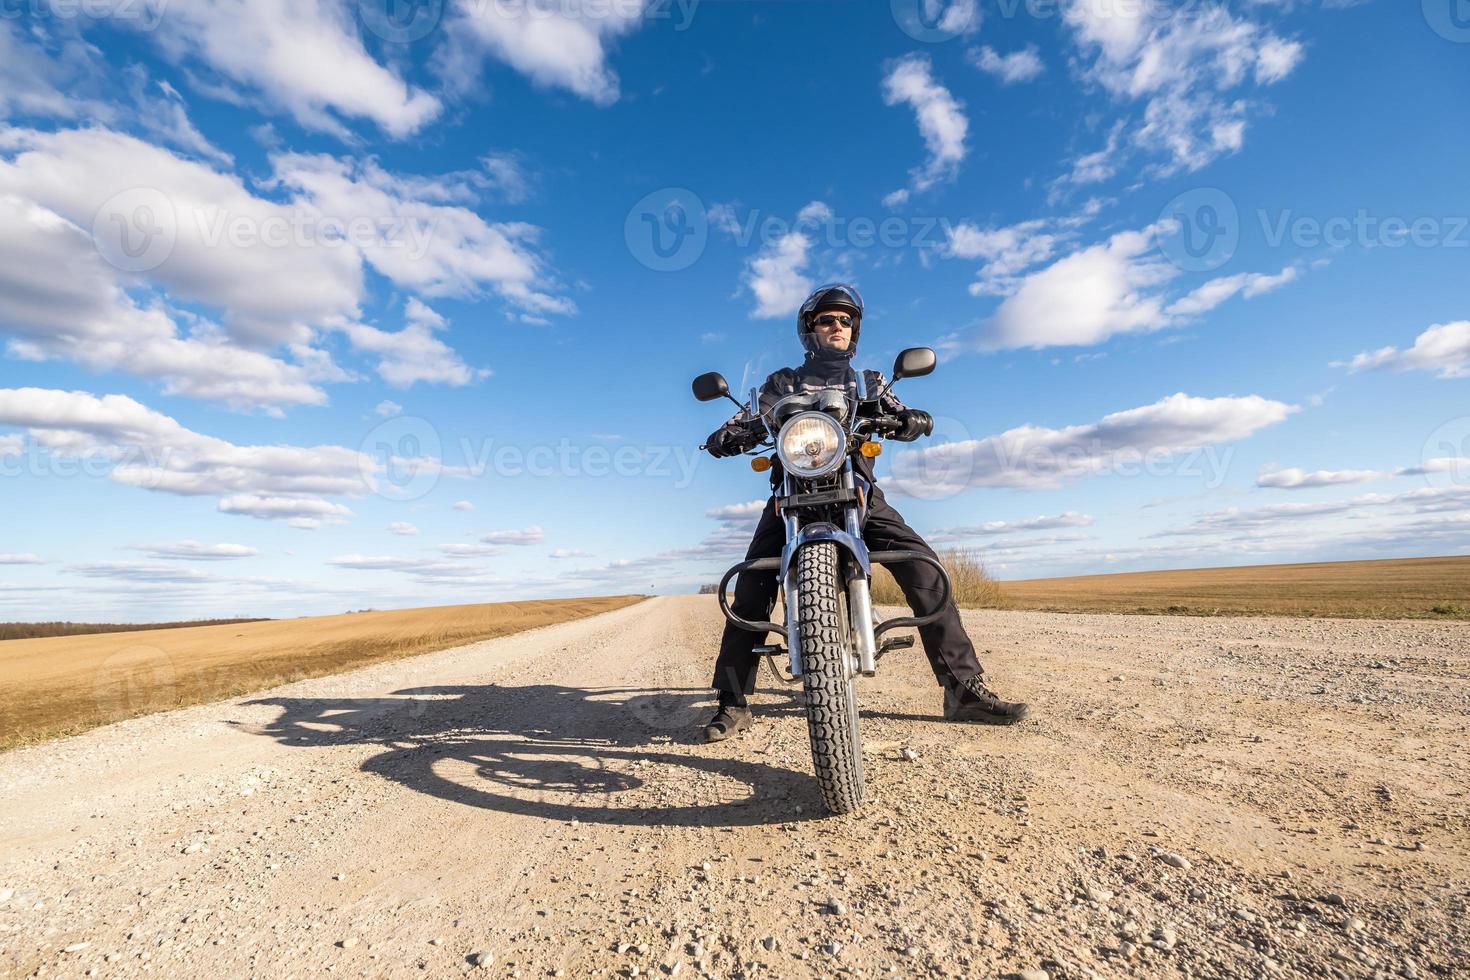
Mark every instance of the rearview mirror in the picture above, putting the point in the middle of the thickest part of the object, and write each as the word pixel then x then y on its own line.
pixel 914 363
pixel 708 387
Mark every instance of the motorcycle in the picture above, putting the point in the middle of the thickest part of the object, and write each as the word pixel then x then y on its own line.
pixel 832 634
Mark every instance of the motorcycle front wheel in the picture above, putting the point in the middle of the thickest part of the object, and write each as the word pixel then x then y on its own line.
pixel 831 703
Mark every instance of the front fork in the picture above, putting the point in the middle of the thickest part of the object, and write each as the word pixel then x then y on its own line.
pixel 864 644
pixel 859 596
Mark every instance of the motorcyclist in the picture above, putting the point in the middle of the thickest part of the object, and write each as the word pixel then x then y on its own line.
pixel 828 325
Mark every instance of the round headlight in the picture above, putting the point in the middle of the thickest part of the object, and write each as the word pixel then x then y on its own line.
pixel 811 444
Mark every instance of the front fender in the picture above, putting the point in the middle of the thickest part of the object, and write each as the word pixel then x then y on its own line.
pixel 823 531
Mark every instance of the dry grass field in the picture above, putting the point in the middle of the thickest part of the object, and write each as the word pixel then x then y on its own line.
pixel 1407 588
pixel 64 684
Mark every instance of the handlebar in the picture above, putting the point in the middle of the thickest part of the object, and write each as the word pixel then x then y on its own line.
pixel 881 425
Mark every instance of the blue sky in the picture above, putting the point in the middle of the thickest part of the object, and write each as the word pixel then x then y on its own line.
pixel 323 306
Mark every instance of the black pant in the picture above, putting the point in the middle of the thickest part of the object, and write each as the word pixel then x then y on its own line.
pixel 950 652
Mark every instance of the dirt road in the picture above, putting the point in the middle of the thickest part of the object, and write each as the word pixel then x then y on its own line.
pixel 1217 797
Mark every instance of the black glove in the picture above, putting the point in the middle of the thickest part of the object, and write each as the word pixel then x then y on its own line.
pixel 915 424
pixel 725 442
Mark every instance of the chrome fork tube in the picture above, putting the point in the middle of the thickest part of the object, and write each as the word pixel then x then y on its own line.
pixel 859 598
pixel 793 633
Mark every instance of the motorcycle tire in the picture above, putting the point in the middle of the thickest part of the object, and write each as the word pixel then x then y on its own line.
pixel 827 678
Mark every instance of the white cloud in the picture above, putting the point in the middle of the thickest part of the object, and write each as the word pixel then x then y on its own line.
pixel 197 551
pixel 1108 288
pixel 1018 66
pixel 416 240
pixel 147 449
pixel 775 276
pixel 218 242
pixel 469 550
pixel 402 527
pixel 429 570
pixel 35 83
pixel 516 536
pixel 305 58
pixel 1183 66
pixel 303 512
pixel 140 571
pixel 1006 251
pixel 814 212
pixel 413 354
pixel 994 529
pixel 1444 349
pixel 1217 291
pixel 1094 167
pixel 94 175
pixel 746 512
pixel 1086 297
pixel 463 505
pixel 940 116
pixel 1438 464
pixel 507 176
pixel 58 299
pixel 162 113
pixel 14 558
pixel 1035 457
pixel 560 553
pixel 555 45
pixel 1296 478
pixel 387 409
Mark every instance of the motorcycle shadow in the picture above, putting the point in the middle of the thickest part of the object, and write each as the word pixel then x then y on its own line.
pixel 598 755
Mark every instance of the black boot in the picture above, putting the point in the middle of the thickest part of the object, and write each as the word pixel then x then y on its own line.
pixel 971 700
pixel 731 719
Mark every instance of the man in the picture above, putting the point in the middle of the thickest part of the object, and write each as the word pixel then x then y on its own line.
pixel 828 325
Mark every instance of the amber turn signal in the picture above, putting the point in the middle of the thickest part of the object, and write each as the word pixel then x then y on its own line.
pixel 760 464
pixel 871 449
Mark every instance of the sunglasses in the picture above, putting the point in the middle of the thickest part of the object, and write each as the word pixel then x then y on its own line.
pixel 832 319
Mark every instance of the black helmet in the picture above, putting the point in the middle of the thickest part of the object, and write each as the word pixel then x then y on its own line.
pixel 832 296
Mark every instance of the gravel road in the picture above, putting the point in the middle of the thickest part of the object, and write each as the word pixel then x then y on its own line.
pixel 1211 797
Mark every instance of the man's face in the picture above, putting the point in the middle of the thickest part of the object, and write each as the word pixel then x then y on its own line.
pixel 833 329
